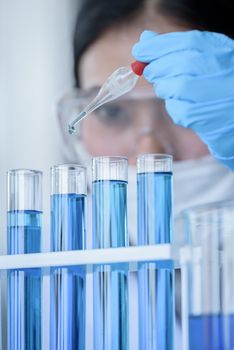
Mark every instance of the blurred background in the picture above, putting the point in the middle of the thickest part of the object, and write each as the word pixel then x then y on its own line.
pixel 35 70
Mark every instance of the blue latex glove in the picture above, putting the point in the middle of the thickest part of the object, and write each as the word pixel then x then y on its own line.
pixel 194 73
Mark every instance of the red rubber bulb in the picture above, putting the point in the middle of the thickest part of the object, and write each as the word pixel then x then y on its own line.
pixel 138 67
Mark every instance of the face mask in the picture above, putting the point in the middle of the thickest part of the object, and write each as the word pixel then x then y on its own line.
pixel 196 182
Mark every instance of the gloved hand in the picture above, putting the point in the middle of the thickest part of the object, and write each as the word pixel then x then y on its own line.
pixel 194 73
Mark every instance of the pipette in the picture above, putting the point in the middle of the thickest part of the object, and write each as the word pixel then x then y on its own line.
pixel 119 83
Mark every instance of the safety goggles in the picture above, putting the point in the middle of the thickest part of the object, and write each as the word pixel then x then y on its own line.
pixel 118 125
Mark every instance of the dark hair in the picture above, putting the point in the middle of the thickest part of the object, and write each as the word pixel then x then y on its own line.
pixel 211 15
pixel 95 16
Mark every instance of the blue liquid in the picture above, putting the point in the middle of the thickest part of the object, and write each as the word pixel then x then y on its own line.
pixel 154 208
pixel 156 286
pixel 110 287
pixel 24 287
pixel 211 332
pixel 68 232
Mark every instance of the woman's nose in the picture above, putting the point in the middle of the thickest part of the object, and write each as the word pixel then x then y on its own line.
pixel 148 143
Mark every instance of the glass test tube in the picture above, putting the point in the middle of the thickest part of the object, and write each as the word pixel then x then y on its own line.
pixel 68 232
pixel 209 281
pixel 154 220
pixel 24 236
pixel 110 287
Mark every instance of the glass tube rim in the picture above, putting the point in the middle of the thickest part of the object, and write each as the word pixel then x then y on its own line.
pixel 68 178
pixel 24 189
pixel 24 171
pixel 155 156
pixel 107 159
pixel 209 206
pixel 109 168
pixel 67 167
pixel 154 163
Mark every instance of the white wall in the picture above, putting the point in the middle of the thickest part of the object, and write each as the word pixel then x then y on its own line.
pixel 35 70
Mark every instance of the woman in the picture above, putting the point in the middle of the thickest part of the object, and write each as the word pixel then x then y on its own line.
pixel 139 123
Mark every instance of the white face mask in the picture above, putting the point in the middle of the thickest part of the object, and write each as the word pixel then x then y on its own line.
pixel 196 182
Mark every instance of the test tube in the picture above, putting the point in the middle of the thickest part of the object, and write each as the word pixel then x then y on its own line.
pixel 24 236
pixel 110 286
pixel 68 232
pixel 208 278
pixel 154 222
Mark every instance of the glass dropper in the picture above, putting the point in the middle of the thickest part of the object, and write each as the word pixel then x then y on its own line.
pixel 119 83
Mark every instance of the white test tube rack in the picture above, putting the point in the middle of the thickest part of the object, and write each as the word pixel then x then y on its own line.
pixel 156 253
